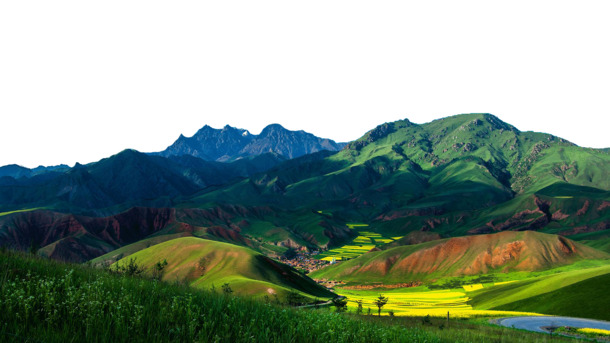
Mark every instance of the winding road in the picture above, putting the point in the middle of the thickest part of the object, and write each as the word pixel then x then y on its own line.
pixel 535 323
pixel 321 304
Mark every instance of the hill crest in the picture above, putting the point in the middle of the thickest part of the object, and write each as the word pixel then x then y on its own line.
pixel 459 256
pixel 203 264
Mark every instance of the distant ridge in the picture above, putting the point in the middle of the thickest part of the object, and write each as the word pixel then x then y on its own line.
pixel 129 178
pixel 16 171
pixel 471 255
pixel 230 143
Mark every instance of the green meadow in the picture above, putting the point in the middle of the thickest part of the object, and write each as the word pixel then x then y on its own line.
pixel 47 301
pixel 203 264
pixel 576 292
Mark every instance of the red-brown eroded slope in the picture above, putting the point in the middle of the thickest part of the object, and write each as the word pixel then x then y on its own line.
pixel 78 238
pixel 470 255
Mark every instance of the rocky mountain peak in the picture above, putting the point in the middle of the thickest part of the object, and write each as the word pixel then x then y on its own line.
pixel 230 143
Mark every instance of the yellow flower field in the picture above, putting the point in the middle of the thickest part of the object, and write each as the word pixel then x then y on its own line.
pixel 355 225
pixel 470 288
pixel 503 282
pixel 595 331
pixel 435 303
pixel 360 245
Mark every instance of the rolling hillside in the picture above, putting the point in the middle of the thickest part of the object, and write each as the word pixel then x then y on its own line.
pixel 203 263
pixel 577 293
pixel 471 255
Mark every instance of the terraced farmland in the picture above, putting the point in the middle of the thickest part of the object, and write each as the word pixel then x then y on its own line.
pixel 366 241
pixel 470 288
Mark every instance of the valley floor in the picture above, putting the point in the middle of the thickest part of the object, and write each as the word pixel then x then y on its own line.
pixel 421 302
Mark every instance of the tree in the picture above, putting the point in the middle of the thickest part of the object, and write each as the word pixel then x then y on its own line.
pixel 294 298
pixel 202 265
pixel 359 309
pixel 159 270
pixel 340 304
pixel 290 254
pixel 131 268
pixel 34 247
pixel 226 289
pixel 380 302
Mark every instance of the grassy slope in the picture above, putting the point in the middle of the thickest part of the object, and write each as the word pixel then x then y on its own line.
pixel 563 198
pixel 130 249
pixel 598 239
pixel 46 301
pixel 246 271
pixel 587 299
pixel 578 293
pixel 602 244
pixel 482 254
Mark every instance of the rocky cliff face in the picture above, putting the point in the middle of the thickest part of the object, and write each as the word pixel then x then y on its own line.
pixel 229 143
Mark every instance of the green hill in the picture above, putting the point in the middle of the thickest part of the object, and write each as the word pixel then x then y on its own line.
pixel 461 256
pixel 204 264
pixel 122 252
pixel 578 293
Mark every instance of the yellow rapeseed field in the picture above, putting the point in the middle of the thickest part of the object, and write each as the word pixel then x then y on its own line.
pixel 470 288
pixel 595 331
pixel 503 282
pixel 435 303
pixel 360 245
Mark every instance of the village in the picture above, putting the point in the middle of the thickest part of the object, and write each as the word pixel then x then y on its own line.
pixel 304 261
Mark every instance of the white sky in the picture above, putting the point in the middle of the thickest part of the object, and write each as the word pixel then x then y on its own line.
pixel 82 80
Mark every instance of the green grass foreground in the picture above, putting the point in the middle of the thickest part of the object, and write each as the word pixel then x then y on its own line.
pixel 47 301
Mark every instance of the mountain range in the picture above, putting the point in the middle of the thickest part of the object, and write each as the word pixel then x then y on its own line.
pixel 462 217
pixel 469 175
pixel 229 143
pixel 459 175
pixel 131 178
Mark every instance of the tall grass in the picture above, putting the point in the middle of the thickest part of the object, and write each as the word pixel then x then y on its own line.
pixel 46 301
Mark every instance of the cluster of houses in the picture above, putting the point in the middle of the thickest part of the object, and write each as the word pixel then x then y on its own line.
pixel 304 261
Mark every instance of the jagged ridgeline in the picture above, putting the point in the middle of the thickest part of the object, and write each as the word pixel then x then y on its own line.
pixel 210 158
pixel 460 175
pixel 230 143
pixel 470 173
